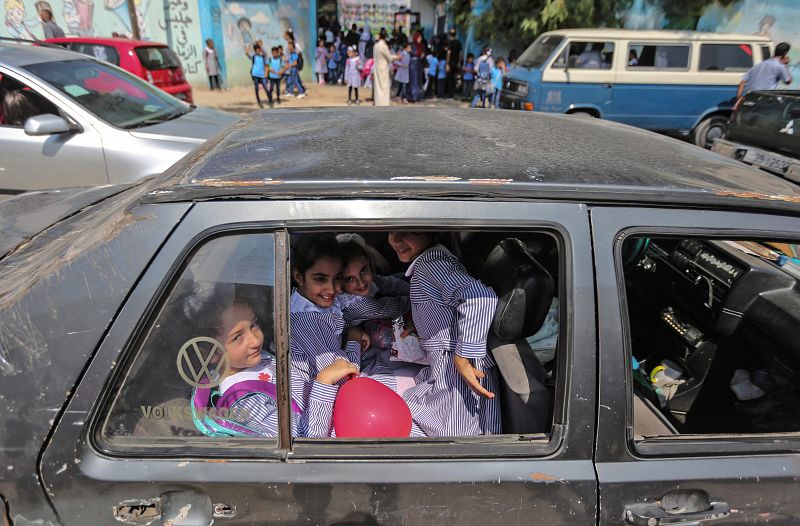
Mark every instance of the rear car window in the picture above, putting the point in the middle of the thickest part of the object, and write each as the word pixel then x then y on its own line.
pixel 725 57
pixel 660 56
pixel 157 57
pixel 98 51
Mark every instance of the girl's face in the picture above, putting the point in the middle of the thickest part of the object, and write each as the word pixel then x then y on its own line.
pixel 357 276
pixel 322 282
pixel 408 245
pixel 242 336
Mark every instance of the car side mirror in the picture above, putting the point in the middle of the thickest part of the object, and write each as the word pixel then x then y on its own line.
pixel 47 124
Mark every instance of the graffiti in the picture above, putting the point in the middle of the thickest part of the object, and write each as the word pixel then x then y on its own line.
pixel 178 24
pixel 375 15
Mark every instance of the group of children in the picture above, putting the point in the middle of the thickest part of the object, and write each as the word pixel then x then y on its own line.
pixel 341 314
pixel 268 71
pixel 485 79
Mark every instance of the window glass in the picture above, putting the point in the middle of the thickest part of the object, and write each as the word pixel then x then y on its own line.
pixel 725 57
pixel 539 51
pixel 217 320
pixel 98 51
pixel 660 56
pixel 587 55
pixel 765 53
pixel 713 335
pixel 157 57
pixel 19 102
pixel 113 95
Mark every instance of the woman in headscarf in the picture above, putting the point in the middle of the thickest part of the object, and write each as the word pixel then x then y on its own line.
pixel 416 69
pixel 381 81
pixel 366 38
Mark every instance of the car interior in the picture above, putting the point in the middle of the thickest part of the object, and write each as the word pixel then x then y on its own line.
pixel 713 335
pixel 522 267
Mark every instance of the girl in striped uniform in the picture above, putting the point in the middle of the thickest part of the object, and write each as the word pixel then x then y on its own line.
pixel 245 402
pixel 453 312
pixel 317 326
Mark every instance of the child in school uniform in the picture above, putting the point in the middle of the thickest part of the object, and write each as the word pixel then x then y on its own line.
pixel 401 75
pixel 318 336
pixel 244 399
pixel 498 72
pixel 321 61
pixel 469 77
pixel 441 74
pixel 433 63
pixel 276 70
pixel 352 75
pixel 452 312
pixel 333 63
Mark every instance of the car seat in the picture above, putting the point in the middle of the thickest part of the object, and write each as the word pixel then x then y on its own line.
pixel 525 291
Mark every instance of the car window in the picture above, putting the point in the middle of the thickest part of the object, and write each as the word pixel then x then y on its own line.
pixel 659 56
pixel 711 324
pixel 115 96
pixel 18 102
pixel 98 51
pixel 157 57
pixel 539 51
pixel 174 387
pixel 586 55
pixel 725 57
pixel 217 318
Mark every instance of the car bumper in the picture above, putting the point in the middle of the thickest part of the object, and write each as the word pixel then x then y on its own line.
pixel 513 101
pixel 772 162
pixel 180 91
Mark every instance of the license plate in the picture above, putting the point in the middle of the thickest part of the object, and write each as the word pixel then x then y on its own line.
pixel 766 160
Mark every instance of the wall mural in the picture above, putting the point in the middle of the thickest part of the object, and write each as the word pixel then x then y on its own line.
pixel 375 14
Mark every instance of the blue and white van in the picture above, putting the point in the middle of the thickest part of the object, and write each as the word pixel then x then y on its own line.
pixel 673 81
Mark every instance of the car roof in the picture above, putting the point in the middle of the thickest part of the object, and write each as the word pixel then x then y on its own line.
pixel 22 54
pixel 118 43
pixel 421 152
pixel 657 34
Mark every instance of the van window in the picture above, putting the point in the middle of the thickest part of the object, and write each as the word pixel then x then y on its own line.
pixel 538 52
pixel 725 57
pixel 587 55
pixel 659 56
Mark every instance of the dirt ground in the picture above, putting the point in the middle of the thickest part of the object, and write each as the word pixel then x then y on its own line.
pixel 242 100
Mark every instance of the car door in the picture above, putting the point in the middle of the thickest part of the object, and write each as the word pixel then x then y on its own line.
pixel 724 469
pixel 101 470
pixel 47 161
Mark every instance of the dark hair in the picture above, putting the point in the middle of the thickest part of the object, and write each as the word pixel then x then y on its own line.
pixel 244 20
pixel 308 248
pixel 382 34
pixel 470 55
pixel 18 106
pixel 256 47
pixel 351 250
pixel 782 49
pixel 499 59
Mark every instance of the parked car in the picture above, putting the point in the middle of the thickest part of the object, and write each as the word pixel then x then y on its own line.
pixel 154 62
pixel 762 133
pixel 80 121
pixel 652 267
pixel 671 81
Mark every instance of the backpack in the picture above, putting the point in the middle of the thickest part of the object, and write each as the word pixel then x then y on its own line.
pixel 299 61
pixel 484 71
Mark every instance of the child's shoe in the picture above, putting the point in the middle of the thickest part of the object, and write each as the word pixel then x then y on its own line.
pixel 301 96
pixel 260 104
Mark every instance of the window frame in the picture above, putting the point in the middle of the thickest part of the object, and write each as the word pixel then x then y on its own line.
pixel 677 445
pixel 687 45
pixel 38 93
pixel 564 50
pixel 725 70
pixel 557 216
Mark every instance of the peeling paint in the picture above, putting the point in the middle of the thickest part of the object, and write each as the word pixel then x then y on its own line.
pixel 433 178
pixel 232 183
pixel 544 477
pixel 755 195
pixel 490 181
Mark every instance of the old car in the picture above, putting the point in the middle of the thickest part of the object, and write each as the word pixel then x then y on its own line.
pixel 646 336
pixel 761 133
pixel 70 120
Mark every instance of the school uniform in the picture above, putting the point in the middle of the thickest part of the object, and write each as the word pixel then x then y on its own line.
pixel 293 78
pixel 315 343
pixel 401 76
pixel 441 77
pixel 433 63
pixel 452 313
pixel 469 80
pixel 258 74
pixel 275 65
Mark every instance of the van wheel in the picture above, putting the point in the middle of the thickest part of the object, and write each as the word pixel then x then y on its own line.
pixel 709 130
pixel 583 114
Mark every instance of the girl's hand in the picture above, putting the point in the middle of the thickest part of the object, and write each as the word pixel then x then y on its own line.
pixel 409 323
pixel 339 369
pixel 356 334
pixel 471 376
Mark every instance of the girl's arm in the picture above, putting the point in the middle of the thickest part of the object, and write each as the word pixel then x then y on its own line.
pixel 390 286
pixel 366 308
pixel 316 420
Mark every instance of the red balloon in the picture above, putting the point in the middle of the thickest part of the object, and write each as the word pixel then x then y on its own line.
pixel 365 408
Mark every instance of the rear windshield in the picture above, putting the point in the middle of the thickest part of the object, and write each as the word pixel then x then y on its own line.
pixel 98 51
pixel 538 52
pixel 157 57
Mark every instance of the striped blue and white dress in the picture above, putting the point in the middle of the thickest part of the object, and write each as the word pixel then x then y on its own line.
pixel 315 343
pixel 260 412
pixel 453 313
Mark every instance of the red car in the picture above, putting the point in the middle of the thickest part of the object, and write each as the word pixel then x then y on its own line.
pixel 154 62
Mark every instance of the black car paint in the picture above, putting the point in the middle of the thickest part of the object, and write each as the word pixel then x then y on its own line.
pixel 766 119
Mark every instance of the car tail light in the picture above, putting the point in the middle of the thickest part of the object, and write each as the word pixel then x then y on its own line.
pixel 149 76
pixel 527 106
pixel 179 77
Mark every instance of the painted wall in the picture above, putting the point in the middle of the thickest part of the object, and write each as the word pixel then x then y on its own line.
pixel 777 19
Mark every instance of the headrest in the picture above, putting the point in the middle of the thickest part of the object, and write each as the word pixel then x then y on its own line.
pixel 523 287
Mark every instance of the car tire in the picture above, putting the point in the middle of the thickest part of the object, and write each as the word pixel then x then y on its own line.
pixel 583 114
pixel 709 130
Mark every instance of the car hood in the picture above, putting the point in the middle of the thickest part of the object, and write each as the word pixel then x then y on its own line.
pixel 196 126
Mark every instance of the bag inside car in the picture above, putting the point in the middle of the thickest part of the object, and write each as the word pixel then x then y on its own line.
pixel 490 295
pixel 713 346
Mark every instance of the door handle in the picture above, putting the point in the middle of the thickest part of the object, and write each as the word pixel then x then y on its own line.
pixel 680 507
pixel 174 508
pixel 608 85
